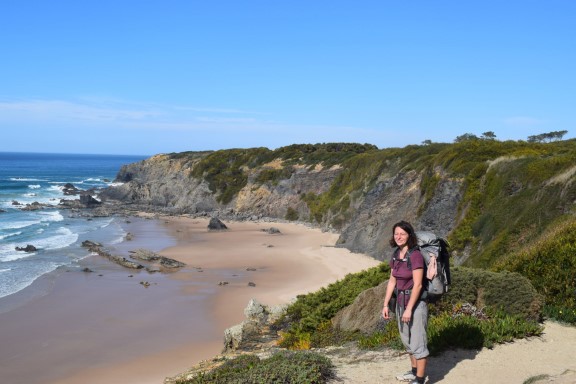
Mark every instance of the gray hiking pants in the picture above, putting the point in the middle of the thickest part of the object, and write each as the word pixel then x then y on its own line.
pixel 413 334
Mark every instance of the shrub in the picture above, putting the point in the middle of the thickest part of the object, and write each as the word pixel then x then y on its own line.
pixel 292 214
pixel 282 367
pixel 549 263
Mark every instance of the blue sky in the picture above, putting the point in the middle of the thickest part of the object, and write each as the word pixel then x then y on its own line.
pixel 147 77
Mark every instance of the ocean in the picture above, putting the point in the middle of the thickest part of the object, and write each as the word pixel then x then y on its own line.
pixel 26 178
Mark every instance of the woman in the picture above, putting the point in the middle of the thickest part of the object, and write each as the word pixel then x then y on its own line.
pixel 406 278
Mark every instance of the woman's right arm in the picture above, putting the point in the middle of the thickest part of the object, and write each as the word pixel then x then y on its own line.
pixel 389 292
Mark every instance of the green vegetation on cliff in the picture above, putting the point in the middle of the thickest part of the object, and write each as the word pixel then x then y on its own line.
pixel 550 263
pixel 226 171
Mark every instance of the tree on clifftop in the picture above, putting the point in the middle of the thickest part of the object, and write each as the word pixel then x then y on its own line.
pixel 489 135
pixel 465 137
pixel 550 136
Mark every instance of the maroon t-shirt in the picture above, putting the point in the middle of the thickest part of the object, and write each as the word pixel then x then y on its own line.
pixel 403 274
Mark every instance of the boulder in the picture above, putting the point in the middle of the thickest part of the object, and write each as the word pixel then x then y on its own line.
pixel 364 314
pixel 34 206
pixel 88 201
pixel 256 312
pixel 216 225
pixel 252 331
pixel 27 248
pixel 69 189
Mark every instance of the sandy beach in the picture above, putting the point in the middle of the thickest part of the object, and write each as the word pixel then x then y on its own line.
pixel 116 325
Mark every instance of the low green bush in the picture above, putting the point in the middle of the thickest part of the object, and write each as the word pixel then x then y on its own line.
pixel 510 292
pixel 292 214
pixel 301 367
pixel 549 264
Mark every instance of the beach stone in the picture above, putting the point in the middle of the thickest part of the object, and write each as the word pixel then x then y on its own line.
pixel 272 231
pixel 216 225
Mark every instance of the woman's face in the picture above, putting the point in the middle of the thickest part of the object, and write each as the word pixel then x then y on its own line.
pixel 400 237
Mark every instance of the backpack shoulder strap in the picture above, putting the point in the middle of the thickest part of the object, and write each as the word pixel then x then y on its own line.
pixel 394 254
pixel 409 263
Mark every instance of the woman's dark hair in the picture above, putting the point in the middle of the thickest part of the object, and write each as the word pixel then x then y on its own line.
pixel 407 227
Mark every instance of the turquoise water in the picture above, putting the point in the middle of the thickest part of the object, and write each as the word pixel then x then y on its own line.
pixel 26 178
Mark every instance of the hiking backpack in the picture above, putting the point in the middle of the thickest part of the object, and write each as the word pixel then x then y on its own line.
pixel 434 250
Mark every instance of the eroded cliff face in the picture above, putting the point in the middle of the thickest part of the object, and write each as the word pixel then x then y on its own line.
pixel 399 197
pixel 165 184
pixel 162 183
pixel 274 199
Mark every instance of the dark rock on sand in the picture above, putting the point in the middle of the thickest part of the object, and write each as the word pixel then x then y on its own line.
pixel 147 255
pixel 97 248
pixel 216 225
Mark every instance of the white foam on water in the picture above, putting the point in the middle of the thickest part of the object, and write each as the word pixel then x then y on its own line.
pixel 34 186
pixel 25 179
pixel 8 252
pixel 19 224
pixel 2 237
pixel 50 216
pixel 55 188
pixel 62 238
pixel 12 283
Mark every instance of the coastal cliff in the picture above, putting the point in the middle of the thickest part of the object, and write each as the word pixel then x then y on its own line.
pixel 481 194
